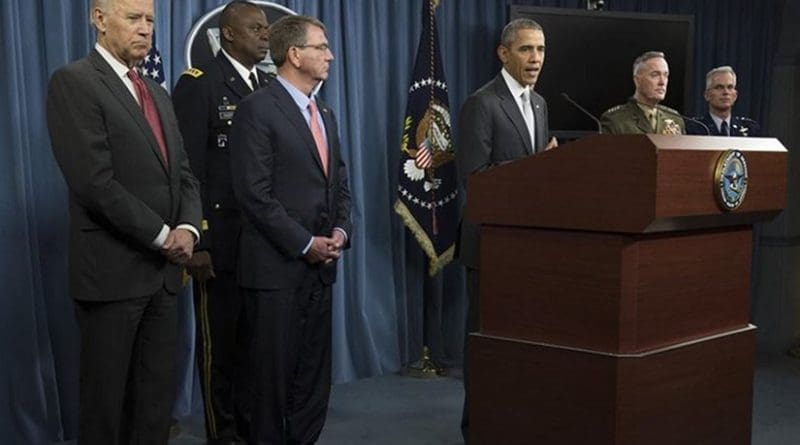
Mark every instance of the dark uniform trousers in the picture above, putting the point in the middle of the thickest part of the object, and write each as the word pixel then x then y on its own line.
pixel 205 102
pixel 222 345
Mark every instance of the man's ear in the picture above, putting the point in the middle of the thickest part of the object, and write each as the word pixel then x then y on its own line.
pixel 100 19
pixel 226 33
pixel 502 54
pixel 293 56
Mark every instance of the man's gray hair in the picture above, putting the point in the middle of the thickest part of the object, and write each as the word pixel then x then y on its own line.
pixel 717 70
pixel 101 4
pixel 289 31
pixel 510 30
pixel 641 60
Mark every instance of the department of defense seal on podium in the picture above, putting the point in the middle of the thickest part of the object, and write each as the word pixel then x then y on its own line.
pixel 730 179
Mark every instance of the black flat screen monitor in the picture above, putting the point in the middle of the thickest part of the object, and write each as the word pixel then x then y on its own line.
pixel 590 57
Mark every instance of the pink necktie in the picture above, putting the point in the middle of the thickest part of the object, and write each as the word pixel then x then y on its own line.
pixel 150 111
pixel 319 138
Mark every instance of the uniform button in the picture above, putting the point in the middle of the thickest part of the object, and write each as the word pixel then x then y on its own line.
pixel 230 122
pixel 216 206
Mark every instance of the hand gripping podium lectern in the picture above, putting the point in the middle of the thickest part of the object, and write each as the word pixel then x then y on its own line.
pixel 614 282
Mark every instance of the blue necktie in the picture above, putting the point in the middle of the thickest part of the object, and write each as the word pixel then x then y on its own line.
pixel 723 129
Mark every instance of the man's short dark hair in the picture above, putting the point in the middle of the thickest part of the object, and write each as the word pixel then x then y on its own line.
pixel 510 30
pixel 289 31
pixel 231 9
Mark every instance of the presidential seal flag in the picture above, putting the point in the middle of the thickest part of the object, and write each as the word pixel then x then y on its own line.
pixel 427 186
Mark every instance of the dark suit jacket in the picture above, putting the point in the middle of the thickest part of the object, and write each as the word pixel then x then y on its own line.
pixel 283 192
pixel 492 131
pixel 740 126
pixel 205 103
pixel 121 193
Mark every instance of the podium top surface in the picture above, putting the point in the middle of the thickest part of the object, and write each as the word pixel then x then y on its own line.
pixel 630 184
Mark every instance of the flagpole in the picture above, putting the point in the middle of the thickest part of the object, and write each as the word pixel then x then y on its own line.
pixel 432 4
pixel 426 367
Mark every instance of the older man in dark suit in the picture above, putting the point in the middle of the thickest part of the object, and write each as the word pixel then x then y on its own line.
pixel 291 183
pixel 134 213
pixel 502 121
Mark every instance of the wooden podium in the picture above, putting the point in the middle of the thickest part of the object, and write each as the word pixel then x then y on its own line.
pixel 615 293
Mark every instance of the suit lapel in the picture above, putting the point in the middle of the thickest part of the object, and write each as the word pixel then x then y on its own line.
pixel 712 126
pixel 264 79
pixel 330 134
pixel 539 122
pixel 509 106
pixel 123 95
pixel 233 79
pixel 293 114
pixel 640 120
pixel 163 108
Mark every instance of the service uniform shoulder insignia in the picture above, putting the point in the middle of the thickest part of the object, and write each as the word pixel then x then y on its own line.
pixel 744 126
pixel 667 109
pixel 194 72
pixel 614 109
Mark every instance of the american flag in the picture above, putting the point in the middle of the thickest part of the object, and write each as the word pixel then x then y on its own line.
pixel 152 66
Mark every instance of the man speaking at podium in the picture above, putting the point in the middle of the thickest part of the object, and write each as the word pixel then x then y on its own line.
pixel 502 121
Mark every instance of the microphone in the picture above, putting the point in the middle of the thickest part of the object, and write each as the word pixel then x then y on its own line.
pixel 708 132
pixel 584 111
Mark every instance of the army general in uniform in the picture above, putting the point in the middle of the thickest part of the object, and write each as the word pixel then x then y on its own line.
pixel 205 100
pixel 643 112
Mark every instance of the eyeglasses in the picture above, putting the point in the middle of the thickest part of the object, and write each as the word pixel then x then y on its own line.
pixel 321 47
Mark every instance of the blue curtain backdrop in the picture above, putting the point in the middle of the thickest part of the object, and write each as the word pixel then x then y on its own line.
pixel 378 299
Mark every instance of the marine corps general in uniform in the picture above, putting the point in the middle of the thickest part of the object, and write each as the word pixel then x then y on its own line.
pixel 205 101
pixel 642 113
pixel 633 118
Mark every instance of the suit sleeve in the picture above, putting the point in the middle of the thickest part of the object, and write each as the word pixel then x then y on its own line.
pixel 344 199
pixel 474 142
pixel 608 125
pixel 76 121
pixel 191 105
pixel 545 127
pixel 253 152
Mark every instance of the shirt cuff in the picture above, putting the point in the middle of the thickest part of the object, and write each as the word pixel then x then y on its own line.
pixel 308 246
pixel 192 229
pixel 341 230
pixel 159 241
